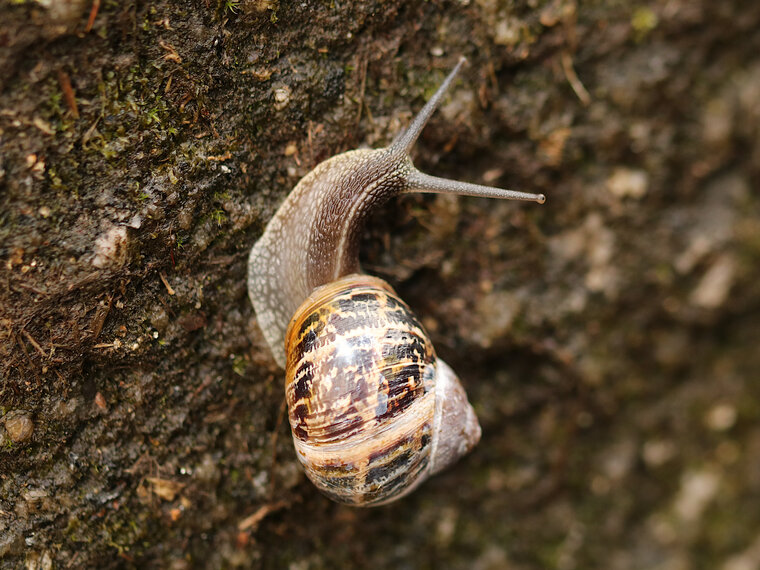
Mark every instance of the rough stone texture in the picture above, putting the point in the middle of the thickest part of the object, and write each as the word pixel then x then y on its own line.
pixel 608 339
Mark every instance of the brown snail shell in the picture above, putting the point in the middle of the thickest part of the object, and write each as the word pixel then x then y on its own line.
pixel 370 428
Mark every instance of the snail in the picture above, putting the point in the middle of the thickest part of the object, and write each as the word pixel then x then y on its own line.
pixel 372 409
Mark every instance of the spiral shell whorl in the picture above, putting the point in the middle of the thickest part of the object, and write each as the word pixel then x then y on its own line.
pixel 361 391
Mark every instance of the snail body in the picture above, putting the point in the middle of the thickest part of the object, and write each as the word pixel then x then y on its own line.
pixel 372 409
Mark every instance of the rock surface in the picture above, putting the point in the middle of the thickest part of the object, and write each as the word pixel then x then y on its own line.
pixel 608 339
